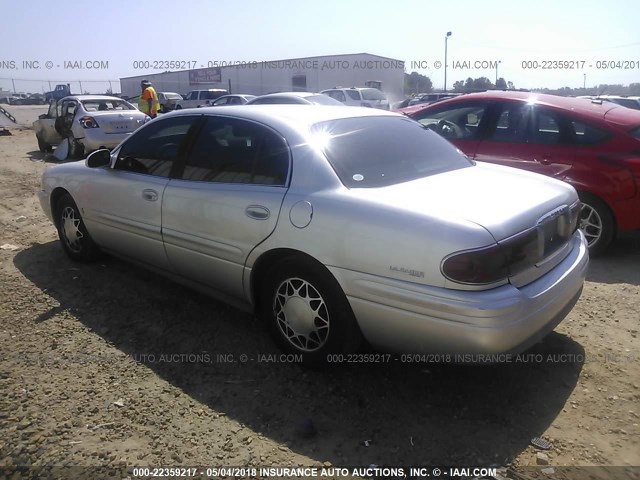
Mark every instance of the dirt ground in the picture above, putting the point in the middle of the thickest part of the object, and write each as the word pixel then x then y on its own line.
pixel 107 364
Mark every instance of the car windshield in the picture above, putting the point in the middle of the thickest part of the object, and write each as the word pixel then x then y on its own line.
pixel 97 105
pixel 322 100
pixel 368 152
pixel 372 94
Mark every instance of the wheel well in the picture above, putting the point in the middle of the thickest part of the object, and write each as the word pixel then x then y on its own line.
pixel 57 193
pixel 267 260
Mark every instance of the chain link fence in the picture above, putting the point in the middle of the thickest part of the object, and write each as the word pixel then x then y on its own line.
pixel 11 86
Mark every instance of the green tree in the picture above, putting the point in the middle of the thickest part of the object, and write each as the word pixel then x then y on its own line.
pixel 482 83
pixel 458 86
pixel 417 83
pixel 468 84
pixel 501 84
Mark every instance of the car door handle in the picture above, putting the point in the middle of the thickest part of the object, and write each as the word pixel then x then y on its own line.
pixel 150 195
pixel 257 212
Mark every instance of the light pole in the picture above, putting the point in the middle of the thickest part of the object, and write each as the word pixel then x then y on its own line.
pixel 497 63
pixel 446 38
pixel 584 83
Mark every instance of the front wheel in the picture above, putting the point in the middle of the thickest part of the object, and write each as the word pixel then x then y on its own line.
pixel 75 239
pixel 76 149
pixel 307 312
pixel 43 146
pixel 596 222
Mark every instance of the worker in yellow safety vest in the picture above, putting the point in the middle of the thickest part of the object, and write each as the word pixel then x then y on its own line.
pixel 148 102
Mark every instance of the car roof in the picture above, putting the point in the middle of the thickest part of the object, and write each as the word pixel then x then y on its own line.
pixel 578 105
pixel 290 94
pixel 91 97
pixel 294 115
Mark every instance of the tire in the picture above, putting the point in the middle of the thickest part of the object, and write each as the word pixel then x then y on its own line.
pixel 75 240
pixel 597 223
pixel 76 149
pixel 307 312
pixel 42 145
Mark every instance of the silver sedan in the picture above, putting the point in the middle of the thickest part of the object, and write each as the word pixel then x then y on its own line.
pixel 333 225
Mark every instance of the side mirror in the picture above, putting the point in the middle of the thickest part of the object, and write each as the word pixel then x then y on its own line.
pixel 99 158
pixel 43 116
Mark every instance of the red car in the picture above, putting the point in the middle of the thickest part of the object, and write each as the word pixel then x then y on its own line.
pixel 593 145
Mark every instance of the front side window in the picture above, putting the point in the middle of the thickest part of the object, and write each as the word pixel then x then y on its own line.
pixel 457 121
pixel 154 149
pixel 368 152
pixel 230 150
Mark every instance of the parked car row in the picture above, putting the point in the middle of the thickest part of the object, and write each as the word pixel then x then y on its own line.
pixel 625 101
pixel 365 97
pixel 334 225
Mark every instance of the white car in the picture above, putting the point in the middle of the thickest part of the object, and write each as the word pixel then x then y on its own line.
pixel 196 98
pixel 90 122
pixel 359 97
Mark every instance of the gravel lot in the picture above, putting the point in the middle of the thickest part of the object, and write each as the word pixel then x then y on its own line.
pixel 107 364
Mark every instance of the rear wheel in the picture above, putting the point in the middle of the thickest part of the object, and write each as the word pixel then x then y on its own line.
pixel 43 146
pixel 597 223
pixel 75 239
pixel 76 149
pixel 307 312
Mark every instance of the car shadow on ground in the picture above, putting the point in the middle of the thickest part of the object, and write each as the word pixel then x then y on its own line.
pixel 620 263
pixel 383 413
pixel 38 156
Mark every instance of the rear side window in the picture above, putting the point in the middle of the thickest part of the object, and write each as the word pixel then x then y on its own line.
pixel 354 94
pixel 585 134
pixel 230 150
pixel 368 152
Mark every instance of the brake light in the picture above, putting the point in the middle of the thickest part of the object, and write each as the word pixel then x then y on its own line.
pixel 88 122
pixel 509 257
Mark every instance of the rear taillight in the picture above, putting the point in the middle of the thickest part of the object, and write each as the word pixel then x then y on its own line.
pixel 88 122
pixel 509 257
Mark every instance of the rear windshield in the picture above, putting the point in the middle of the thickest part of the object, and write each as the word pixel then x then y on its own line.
pixel 372 94
pixel 368 152
pixel 106 105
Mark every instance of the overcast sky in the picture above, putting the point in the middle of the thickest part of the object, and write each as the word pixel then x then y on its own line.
pixel 590 33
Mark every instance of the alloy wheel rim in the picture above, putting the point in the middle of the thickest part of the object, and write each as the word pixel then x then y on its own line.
pixel 590 224
pixel 301 314
pixel 71 229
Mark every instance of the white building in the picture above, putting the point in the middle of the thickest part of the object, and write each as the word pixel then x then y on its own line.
pixel 310 74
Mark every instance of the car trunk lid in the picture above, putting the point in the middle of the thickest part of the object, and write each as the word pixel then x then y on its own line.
pixel 504 201
pixel 118 122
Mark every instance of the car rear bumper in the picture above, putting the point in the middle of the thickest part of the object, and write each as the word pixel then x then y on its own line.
pixel 408 317
pixel 96 139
